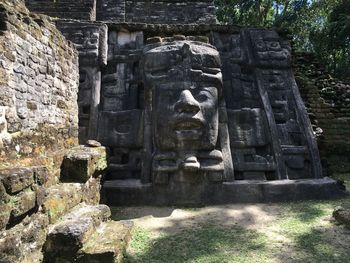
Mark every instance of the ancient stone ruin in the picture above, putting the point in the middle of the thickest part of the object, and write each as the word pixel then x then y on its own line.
pixel 168 106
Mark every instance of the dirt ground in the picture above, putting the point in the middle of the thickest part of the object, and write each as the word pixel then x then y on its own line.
pixel 286 228
pixel 167 220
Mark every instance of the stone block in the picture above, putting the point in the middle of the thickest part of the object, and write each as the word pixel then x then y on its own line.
pixel 61 198
pixel 17 179
pixel 342 215
pixel 121 129
pixel 11 245
pixel 4 197
pixel 23 202
pixel 67 236
pixel 23 242
pixel 91 191
pixel 41 175
pixel 35 231
pixel 5 212
pixel 81 163
pixel 107 243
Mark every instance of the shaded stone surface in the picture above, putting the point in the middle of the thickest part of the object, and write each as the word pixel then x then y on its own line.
pixel 257 126
pixel 84 10
pixel 132 11
pixel 327 102
pixel 133 192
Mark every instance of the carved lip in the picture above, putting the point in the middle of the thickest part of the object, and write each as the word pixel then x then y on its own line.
pixel 185 124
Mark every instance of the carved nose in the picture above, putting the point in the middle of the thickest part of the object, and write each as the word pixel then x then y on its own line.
pixel 187 103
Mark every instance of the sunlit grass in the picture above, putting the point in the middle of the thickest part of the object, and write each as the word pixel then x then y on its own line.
pixel 301 232
pixel 205 243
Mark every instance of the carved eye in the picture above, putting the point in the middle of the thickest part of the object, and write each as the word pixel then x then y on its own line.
pixel 202 96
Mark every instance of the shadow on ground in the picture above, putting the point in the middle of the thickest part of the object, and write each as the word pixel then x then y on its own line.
pixel 204 243
pixel 284 232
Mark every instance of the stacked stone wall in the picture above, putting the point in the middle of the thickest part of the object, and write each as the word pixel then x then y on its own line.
pixel 135 11
pixel 170 12
pixel 38 89
pixel 42 176
pixel 77 9
pixel 328 103
pixel 111 10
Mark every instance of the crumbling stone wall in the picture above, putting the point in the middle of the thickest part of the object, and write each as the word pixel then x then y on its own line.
pixel 38 88
pixel 77 9
pixel 328 103
pixel 91 42
pixel 42 176
pixel 137 11
pixel 113 10
pixel 170 11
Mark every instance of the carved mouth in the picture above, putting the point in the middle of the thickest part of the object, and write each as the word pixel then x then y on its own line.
pixel 188 124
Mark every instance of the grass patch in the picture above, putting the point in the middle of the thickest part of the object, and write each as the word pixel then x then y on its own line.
pixel 205 243
pixel 300 232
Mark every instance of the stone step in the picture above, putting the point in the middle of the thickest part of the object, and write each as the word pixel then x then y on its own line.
pixel 67 236
pixel 107 244
pixel 128 183
pixel 129 191
pixel 82 162
pixel 59 199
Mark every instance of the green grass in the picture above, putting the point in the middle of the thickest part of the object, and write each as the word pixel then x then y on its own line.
pixel 205 243
pixel 302 232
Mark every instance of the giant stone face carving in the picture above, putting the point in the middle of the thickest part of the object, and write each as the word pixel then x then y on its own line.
pixel 186 83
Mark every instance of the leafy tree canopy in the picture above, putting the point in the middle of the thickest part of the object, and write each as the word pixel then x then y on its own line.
pixel 320 26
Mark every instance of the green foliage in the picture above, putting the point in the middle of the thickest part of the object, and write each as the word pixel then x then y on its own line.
pixel 259 12
pixel 320 26
pixel 332 41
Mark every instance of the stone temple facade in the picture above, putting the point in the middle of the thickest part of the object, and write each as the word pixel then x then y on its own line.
pixel 168 106
pixel 190 111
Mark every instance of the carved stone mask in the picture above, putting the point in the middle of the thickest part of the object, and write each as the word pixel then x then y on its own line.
pixel 186 83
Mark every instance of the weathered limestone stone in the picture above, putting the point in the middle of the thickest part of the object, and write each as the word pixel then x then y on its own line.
pixel 61 198
pixel 327 101
pixel 170 12
pixel 185 116
pixel 5 212
pixel 91 191
pixel 93 143
pixel 23 202
pixel 342 215
pixel 81 163
pixel 67 236
pixel 207 112
pixel 4 197
pixel 11 245
pixel 17 179
pixel 23 242
pixel 35 230
pixel 38 71
pixel 82 10
pixel 107 243
pixel 137 11
pixel 41 175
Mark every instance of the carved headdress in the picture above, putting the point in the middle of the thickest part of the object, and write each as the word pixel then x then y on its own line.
pixel 184 60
